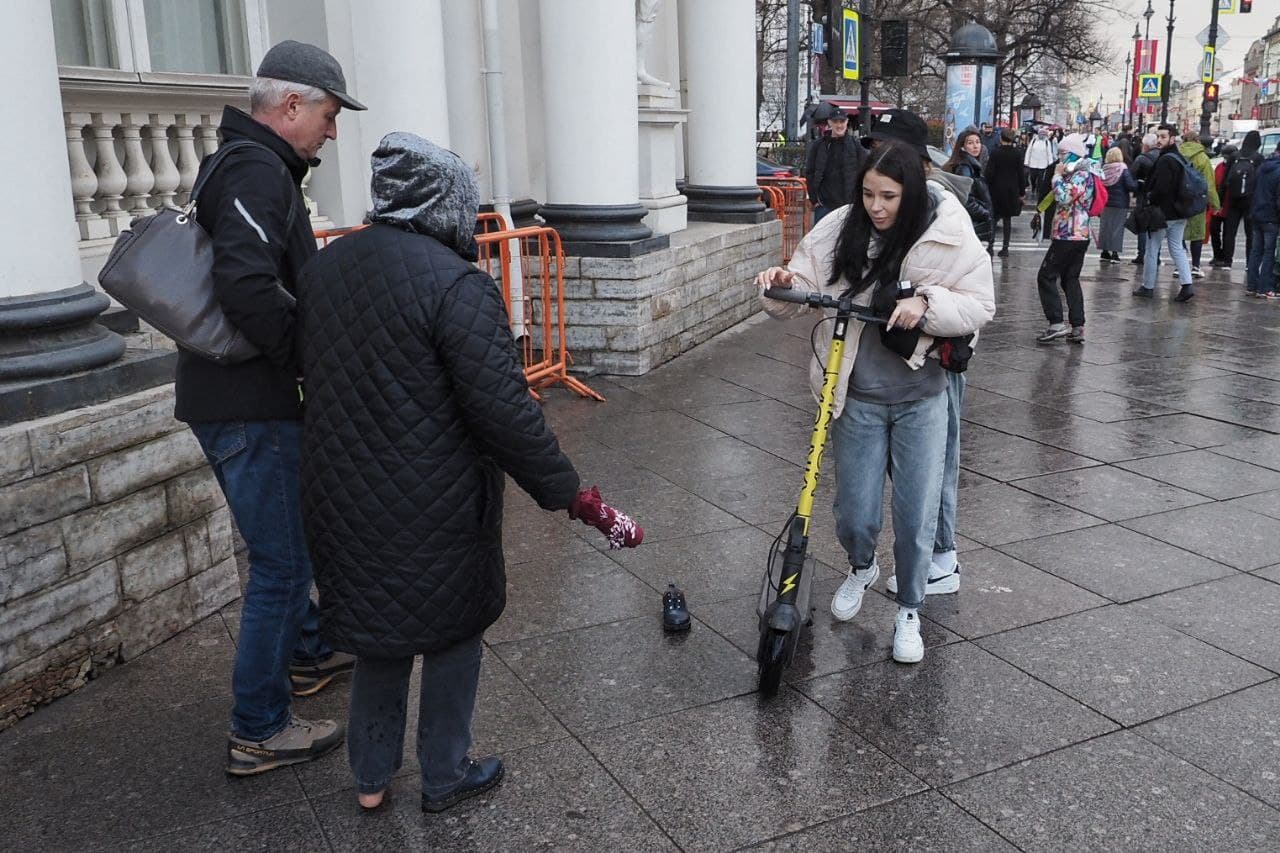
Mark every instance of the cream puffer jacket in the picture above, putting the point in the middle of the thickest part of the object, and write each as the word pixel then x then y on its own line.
pixel 947 264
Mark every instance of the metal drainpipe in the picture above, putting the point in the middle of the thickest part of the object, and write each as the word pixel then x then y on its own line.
pixel 498 176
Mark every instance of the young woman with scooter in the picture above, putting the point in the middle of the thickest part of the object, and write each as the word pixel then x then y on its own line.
pixel 906 253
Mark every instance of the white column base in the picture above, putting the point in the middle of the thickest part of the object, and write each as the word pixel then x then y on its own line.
pixel 666 215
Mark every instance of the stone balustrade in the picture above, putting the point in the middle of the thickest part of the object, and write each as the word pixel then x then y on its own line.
pixel 134 148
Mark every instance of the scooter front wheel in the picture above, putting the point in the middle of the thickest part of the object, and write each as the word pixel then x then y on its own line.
pixel 772 659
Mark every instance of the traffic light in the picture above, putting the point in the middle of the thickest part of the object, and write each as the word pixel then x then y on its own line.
pixel 1211 97
pixel 1246 6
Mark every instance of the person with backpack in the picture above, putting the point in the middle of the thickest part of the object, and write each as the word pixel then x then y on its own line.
pixel 1241 181
pixel 1175 191
pixel 1261 279
pixel 1077 184
pixel 1141 168
pixel 1196 153
pixel 1220 172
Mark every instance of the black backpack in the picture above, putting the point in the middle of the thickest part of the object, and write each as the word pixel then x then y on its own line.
pixel 1193 190
pixel 1242 178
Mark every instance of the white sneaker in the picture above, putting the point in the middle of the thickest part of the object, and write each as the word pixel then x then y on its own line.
pixel 907 645
pixel 848 598
pixel 939 583
pixel 1196 272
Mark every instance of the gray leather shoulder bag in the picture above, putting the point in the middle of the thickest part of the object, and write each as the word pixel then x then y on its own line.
pixel 161 268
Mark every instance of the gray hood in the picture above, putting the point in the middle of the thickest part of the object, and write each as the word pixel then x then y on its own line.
pixel 959 185
pixel 422 187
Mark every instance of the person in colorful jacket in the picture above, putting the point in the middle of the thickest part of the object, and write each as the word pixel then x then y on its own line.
pixel 1073 188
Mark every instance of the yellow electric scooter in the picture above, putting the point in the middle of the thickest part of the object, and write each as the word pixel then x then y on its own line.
pixel 784 602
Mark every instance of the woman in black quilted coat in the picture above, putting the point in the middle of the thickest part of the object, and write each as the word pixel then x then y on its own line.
pixel 416 406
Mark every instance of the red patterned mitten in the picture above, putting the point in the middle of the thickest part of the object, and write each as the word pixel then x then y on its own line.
pixel 621 530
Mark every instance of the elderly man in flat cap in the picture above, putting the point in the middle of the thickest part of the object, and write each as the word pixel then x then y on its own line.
pixel 247 416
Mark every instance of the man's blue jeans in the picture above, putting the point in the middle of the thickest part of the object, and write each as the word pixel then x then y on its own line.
pixel 1261 275
pixel 867 438
pixel 944 539
pixel 1172 235
pixel 258 465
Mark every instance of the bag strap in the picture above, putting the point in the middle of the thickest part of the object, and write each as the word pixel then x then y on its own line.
pixel 213 162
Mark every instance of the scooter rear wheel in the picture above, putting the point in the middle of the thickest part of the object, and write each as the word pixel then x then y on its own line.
pixel 772 659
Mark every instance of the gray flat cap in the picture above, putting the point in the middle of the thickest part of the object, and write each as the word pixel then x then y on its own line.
pixel 310 66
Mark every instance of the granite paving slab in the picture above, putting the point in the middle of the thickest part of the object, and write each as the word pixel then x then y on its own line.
pixel 1207 473
pixel 1231 535
pixel 553 797
pixel 921 823
pixel 998 593
pixel 960 712
pixel 669 512
pixel 1118 792
pixel 1197 431
pixel 1106 407
pixel 1239 614
pixel 1123 664
pixel 289 829
pixel 602 676
pixel 159 770
pixel 739 771
pixel 548 596
pixel 996 515
pixel 1236 738
pixel 1000 456
pixel 1111 493
pixel 1116 562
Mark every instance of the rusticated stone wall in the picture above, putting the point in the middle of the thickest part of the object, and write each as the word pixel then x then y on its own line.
pixel 114 536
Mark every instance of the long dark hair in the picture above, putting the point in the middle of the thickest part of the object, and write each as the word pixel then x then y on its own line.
pixel 959 156
pixel 901 164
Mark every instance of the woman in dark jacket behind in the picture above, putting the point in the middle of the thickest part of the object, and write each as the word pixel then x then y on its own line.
pixel 1120 185
pixel 416 406
pixel 964 162
pixel 1007 179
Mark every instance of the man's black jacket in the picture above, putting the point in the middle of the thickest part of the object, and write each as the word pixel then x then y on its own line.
pixel 817 161
pixel 1163 183
pixel 253 210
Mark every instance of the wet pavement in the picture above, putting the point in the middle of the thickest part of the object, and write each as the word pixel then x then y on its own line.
pixel 1105 679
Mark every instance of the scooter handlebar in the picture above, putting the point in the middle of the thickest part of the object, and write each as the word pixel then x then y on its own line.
pixel 821 300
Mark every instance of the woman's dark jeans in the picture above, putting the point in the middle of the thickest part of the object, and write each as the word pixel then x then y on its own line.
pixel 446 704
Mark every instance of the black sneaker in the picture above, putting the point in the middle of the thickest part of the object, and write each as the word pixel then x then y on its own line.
pixel 1144 292
pixel 301 740
pixel 310 678
pixel 1137 262
pixel 1077 335
pixel 481 776
pixel 1003 253
pixel 1184 294
pixel 675 613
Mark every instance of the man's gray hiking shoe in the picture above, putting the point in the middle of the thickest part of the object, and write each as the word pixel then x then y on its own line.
pixel 310 678
pixel 300 741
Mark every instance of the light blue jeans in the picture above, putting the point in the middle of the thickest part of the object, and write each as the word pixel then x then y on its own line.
pixel 944 539
pixel 912 437
pixel 1172 235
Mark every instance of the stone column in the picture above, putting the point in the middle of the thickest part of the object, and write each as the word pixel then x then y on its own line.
pixel 592 130
pixel 717 56
pixel 400 66
pixel 47 312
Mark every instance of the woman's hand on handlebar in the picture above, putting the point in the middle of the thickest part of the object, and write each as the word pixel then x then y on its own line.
pixel 775 277
pixel 908 313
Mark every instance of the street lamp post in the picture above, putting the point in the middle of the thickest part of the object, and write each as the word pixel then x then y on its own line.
pixel 1168 78
pixel 1148 13
pixel 1128 84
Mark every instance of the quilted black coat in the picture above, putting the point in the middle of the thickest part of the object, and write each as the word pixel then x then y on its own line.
pixel 415 407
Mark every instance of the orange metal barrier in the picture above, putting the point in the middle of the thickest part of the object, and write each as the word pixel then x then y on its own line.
pixel 798 216
pixel 776 200
pixel 542 335
pixel 539 262
pixel 325 236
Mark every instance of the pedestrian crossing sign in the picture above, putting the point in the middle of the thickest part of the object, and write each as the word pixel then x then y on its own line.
pixel 1149 85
